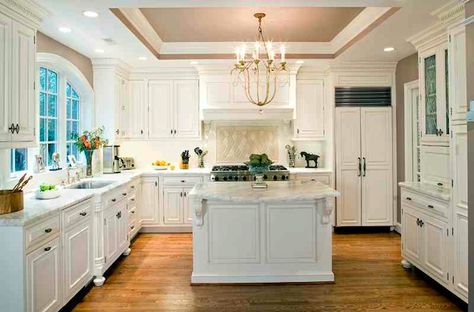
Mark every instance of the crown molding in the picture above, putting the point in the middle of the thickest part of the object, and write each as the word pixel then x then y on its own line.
pixel 451 12
pixel 118 66
pixel 29 9
pixel 363 66
pixel 429 37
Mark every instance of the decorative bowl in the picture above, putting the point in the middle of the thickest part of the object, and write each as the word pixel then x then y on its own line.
pixel 48 194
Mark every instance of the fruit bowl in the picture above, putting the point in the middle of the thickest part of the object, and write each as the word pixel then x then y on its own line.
pixel 48 194
pixel 159 167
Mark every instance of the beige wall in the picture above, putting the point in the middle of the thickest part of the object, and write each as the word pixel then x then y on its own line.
pixel 407 70
pixel 49 45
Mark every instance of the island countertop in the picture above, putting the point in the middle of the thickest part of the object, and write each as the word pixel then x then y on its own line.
pixel 280 191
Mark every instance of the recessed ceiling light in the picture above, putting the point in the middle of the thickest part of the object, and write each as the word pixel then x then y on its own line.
pixel 99 51
pixel 299 62
pixel 91 14
pixel 65 30
pixel 194 62
pixel 142 58
pixel 389 49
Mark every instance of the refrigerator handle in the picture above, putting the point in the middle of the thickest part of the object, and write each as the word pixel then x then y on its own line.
pixel 359 167
pixel 364 168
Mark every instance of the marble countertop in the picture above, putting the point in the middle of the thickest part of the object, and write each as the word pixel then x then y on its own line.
pixel 429 189
pixel 276 192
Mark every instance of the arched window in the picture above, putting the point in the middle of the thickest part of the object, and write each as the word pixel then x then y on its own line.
pixel 73 103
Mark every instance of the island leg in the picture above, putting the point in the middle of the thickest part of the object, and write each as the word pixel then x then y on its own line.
pixel 406 265
pixel 99 281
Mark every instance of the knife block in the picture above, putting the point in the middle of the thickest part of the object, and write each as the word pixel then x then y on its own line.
pixel 10 201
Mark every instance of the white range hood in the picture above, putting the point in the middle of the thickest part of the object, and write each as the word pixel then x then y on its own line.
pixel 232 114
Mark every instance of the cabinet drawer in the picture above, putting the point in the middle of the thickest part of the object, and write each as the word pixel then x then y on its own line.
pixel 42 231
pixel 181 180
pixel 77 214
pixel 115 196
pixel 133 186
pixel 320 178
pixel 132 201
pixel 425 203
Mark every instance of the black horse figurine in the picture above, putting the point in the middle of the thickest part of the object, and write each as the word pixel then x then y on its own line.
pixel 310 157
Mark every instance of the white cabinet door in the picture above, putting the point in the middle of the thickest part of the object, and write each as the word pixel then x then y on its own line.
pixel 376 135
pixel 160 106
pixel 149 201
pixel 309 109
pixel 78 258
pixel 137 109
pixel 23 80
pixel 435 247
pixel 111 239
pixel 122 225
pixel 186 98
pixel 173 205
pixel 187 209
pixel 461 259
pixel 457 73
pixel 5 83
pixel 123 113
pixel 411 235
pixel 348 173
pixel 43 278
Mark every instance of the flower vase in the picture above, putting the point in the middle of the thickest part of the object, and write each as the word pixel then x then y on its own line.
pixel 89 154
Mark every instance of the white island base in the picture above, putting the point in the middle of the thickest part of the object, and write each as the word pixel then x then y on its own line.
pixel 274 235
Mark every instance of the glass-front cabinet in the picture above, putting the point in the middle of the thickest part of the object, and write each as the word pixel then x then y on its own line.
pixel 433 72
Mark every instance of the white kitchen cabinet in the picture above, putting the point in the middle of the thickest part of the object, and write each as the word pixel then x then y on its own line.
pixel 310 118
pixel 78 258
pixel 412 237
pixel 44 278
pixel 434 99
pixel 123 110
pixel 187 209
pixel 17 78
pixel 434 242
pixel 137 111
pixel 115 231
pixel 160 106
pixel 149 205
pixel 364 166
pixel 173 205
pixel 457 73
pixel 173 109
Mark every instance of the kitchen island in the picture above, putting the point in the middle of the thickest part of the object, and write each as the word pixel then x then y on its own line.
pixel 279 234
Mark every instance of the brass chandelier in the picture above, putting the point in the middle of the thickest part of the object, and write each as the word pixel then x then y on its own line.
pixel 258 70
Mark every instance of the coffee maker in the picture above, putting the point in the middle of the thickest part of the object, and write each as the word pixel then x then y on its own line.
pixel 112 161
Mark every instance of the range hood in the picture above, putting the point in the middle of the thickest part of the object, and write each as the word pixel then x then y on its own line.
pixel 257 113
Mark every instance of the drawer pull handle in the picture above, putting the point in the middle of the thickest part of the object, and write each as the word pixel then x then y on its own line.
pixel 119 215
pixel 440 184
pixel 133 211
pixel 430 206
pixel 83 214
pixel 114 200
pixel 124 194
pixel 408 198
pixel 182 181
pixel 48 230
pixel 47 248
pixel 132 227
pixel 132 187
pixel 133 199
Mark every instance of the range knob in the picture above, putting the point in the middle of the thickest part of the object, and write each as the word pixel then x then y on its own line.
pixel 275 178
pixel 265 177
pixel 244 178
pixel 236 178
pixel 254 178
pixel 225 178
pixel 216 178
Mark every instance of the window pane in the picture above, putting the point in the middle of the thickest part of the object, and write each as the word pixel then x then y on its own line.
pixel 42 129
pixel 52 127
pixel 68 130
pixel 75 129
pixel 42 99
pixel 68 108
pixel 42 79
pixel 75 109
pixel 52 82
pixel 43 150
pixel 74 94
pixel 19 159
pixel 52 105
pixel 51 150
pixel 68 89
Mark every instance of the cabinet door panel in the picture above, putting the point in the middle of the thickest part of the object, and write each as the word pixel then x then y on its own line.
pixel 434 245
pixel 126 115
pixel 137 122
pixel 461 258
pixel 23 74
pixel 111 239
pixel 160 105
pixel 188 212
pixel 5 70
pixel 122 223
pixel 310 109
pixel 348 178
pixel 44 293
pixel 411 237
pixel 457 73
pixel 149 201
pixel 173 205
pixel 187 108
pixel 77 258
pixel 376 135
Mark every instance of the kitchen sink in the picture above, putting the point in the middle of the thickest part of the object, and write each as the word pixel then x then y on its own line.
pixel 90 185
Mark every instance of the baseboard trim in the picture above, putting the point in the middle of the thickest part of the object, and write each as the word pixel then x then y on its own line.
pixel 166 229
pixel 238 279
pixel 398 228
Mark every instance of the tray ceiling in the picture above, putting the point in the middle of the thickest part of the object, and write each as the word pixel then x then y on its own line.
pixel 313 24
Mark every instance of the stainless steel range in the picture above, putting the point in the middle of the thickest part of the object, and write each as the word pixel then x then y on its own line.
pixel 230 173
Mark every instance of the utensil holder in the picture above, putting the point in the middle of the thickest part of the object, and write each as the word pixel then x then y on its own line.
pixel 10 201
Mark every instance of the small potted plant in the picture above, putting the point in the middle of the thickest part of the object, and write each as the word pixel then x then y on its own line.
pixel 88 142
pixel 259 164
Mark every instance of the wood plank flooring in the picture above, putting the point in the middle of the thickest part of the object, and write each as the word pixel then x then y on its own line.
pixel 156 276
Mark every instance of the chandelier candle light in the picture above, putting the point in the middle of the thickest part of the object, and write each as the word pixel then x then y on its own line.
pixel 256 71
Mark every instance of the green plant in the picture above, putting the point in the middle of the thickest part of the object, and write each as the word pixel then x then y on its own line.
pixel 259 160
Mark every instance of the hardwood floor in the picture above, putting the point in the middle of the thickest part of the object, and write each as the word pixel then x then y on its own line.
pixel 156 276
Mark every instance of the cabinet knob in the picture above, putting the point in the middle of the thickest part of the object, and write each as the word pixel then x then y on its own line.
pixel 47 248
pixel 124 194
pixel 114 200
pixel 83 214
pixel 430 206
pixel 12 128
pixel 182 181
pixel 119 215
pixel 408 198
pixel 141 131
pixel 17 129
pixel 48 230
pixel 439 184
pixel 132 199
pixel 184 194
pixel 117 131
pixel 132 227
pixel 133 211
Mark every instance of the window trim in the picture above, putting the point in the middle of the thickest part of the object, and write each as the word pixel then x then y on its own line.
pixel 410 148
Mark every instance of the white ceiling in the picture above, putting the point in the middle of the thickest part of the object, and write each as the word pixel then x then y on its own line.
pixel 87 33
